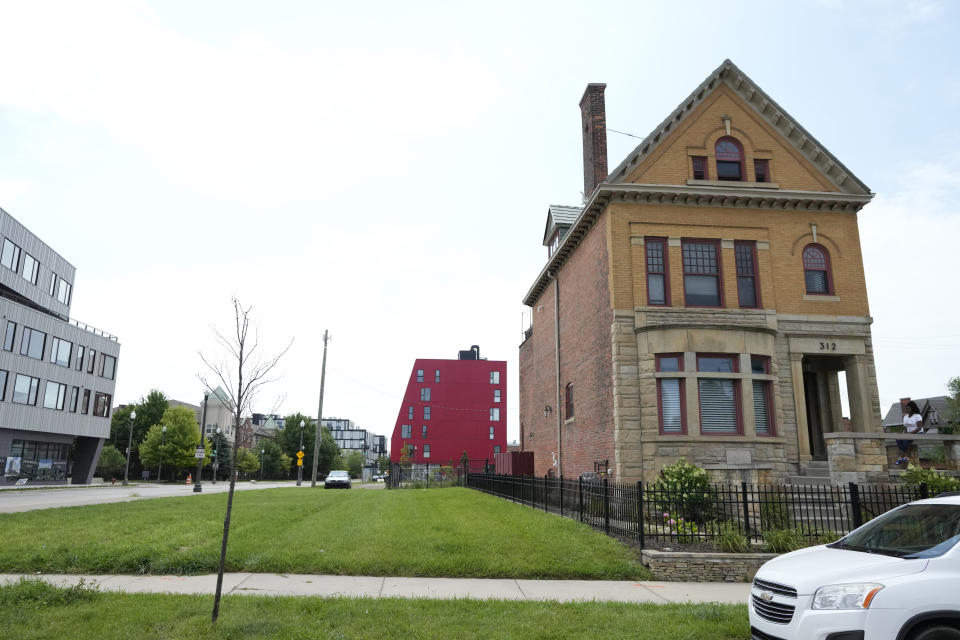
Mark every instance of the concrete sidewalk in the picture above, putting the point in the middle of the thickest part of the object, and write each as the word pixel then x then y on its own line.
pixel 272 584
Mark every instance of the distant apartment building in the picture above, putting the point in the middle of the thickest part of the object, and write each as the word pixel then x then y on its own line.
pixel 451 407
pixel 57 375
pixel 216 411
pixel 349 437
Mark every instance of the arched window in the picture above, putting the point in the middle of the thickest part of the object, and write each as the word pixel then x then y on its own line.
pixel 729 159
pixel 569 401
pixel 816 269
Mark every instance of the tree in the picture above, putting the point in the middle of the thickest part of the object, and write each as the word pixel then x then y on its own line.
pixel 953 401
pixel 111 462
pixel 383 464
pixel 247 460
pixel 289 441
pixel 179 444
pixel 355 463
pixel 149 412
pixel 276 463
pixel 241 371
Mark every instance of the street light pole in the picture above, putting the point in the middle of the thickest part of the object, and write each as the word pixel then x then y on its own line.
pixel 163 438
pixel 262 451
pixel 126 470
pixel 300 460
pixel 198 486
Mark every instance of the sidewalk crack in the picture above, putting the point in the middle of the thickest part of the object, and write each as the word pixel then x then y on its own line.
pixel 520 589
pixel 239 584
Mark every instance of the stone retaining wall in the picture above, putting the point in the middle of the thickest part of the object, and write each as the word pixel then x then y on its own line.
pixel 686 566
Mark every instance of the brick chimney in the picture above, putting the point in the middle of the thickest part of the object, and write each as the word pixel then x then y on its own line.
pixel 594 118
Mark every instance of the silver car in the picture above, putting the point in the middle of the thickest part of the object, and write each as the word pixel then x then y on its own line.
pixel 337 480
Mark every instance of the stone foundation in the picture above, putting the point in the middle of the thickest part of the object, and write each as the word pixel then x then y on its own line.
pixel 686 566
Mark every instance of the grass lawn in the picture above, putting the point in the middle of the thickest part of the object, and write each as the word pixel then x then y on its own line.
pixel 34 610
pixel 439 532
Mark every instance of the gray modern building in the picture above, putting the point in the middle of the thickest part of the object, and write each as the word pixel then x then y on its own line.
pixel 57 375
pixel 350 437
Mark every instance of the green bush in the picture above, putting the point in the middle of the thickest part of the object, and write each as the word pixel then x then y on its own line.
pixel 936 482
pixel 683 489
pixel 730 539
pixel 826 537
pixel 774 515
pixel 784 540
pixel 684 530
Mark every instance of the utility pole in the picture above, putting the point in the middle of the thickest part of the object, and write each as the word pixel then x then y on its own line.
pixel 316 439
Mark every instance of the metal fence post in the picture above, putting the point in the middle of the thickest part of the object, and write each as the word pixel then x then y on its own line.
pixel 746 510
pixel 606 508
pixel 855 505
pixel 561 496
pixel 924 490
pixel 580 497
pixel 545 495
pixel 640 511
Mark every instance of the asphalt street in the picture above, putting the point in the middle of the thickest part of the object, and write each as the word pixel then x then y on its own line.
pixel 14 500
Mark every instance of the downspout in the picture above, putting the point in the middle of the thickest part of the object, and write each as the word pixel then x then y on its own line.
pixel 556 353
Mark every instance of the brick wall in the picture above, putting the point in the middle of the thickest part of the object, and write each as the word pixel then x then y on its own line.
pixel 585 361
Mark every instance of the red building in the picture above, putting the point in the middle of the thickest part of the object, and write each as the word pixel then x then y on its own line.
pixel 452 406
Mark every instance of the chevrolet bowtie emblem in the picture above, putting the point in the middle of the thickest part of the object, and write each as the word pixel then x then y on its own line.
pixel 766 596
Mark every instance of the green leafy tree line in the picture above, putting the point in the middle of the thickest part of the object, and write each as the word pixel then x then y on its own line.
pixel 288 439
pixel 176 448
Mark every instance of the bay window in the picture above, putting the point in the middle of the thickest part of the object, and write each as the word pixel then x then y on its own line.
pixel 670 395
pixel 719 396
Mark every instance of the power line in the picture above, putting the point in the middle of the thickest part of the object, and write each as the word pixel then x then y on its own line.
pixel 624 133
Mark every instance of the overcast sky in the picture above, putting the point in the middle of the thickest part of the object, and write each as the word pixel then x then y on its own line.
pixel 383 170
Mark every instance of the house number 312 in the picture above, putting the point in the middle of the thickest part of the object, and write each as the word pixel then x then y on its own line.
pixel 828 346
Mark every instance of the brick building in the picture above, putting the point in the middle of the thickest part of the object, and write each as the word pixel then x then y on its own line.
pixel 702 301
pixel 452 406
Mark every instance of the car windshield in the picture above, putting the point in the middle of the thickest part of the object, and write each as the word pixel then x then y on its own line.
pixel 338 474
pixel 913 531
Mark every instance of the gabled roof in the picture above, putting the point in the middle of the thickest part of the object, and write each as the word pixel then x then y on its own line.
pixel 736 80
pixel 559 215
pixel 939 403
pixel 222 396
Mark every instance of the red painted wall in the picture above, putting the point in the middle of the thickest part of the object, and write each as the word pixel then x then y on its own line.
pixel 460 405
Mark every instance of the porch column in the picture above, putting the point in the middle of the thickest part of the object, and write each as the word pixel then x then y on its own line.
pixel 800 406
pixel 858 394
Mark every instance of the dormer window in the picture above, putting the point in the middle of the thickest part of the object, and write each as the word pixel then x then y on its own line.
pixel 554 245
pixel 729 159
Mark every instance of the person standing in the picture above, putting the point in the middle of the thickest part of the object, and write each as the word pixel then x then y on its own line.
pixel 912 423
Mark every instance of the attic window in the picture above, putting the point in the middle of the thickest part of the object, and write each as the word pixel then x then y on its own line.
pixel 699 168
pixel 729 159
pixel 761 169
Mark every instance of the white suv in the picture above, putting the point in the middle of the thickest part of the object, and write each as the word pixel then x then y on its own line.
pixel 895 578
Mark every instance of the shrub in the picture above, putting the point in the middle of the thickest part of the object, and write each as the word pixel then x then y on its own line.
pixel 730 539
pixel 936 482
pixel 774 515
pixel 784 540
pixel 684 489
pixel 684 530
pixel 826 537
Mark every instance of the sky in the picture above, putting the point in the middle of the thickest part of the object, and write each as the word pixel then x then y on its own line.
pixel 382 170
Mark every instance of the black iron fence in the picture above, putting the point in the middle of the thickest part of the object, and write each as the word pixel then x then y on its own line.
pixel 656 516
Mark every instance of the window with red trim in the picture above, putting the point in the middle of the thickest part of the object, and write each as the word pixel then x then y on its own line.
pixel 762 397
pixel 746 258
pixel 761 169
pixel 670 395
pixel 719 397
pixel 729 159
pixel 658 286
pixel 700 168
pixel 701 273
pixel 816 270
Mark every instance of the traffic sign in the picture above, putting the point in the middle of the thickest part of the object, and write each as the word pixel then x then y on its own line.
pixel 300 455
pixel 200 452
pixel 299 462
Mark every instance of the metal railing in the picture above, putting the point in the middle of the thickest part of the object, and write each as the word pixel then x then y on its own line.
pixel 93 330
pixel 655 516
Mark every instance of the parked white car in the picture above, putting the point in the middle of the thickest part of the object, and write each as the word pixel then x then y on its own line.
pixel 895 578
